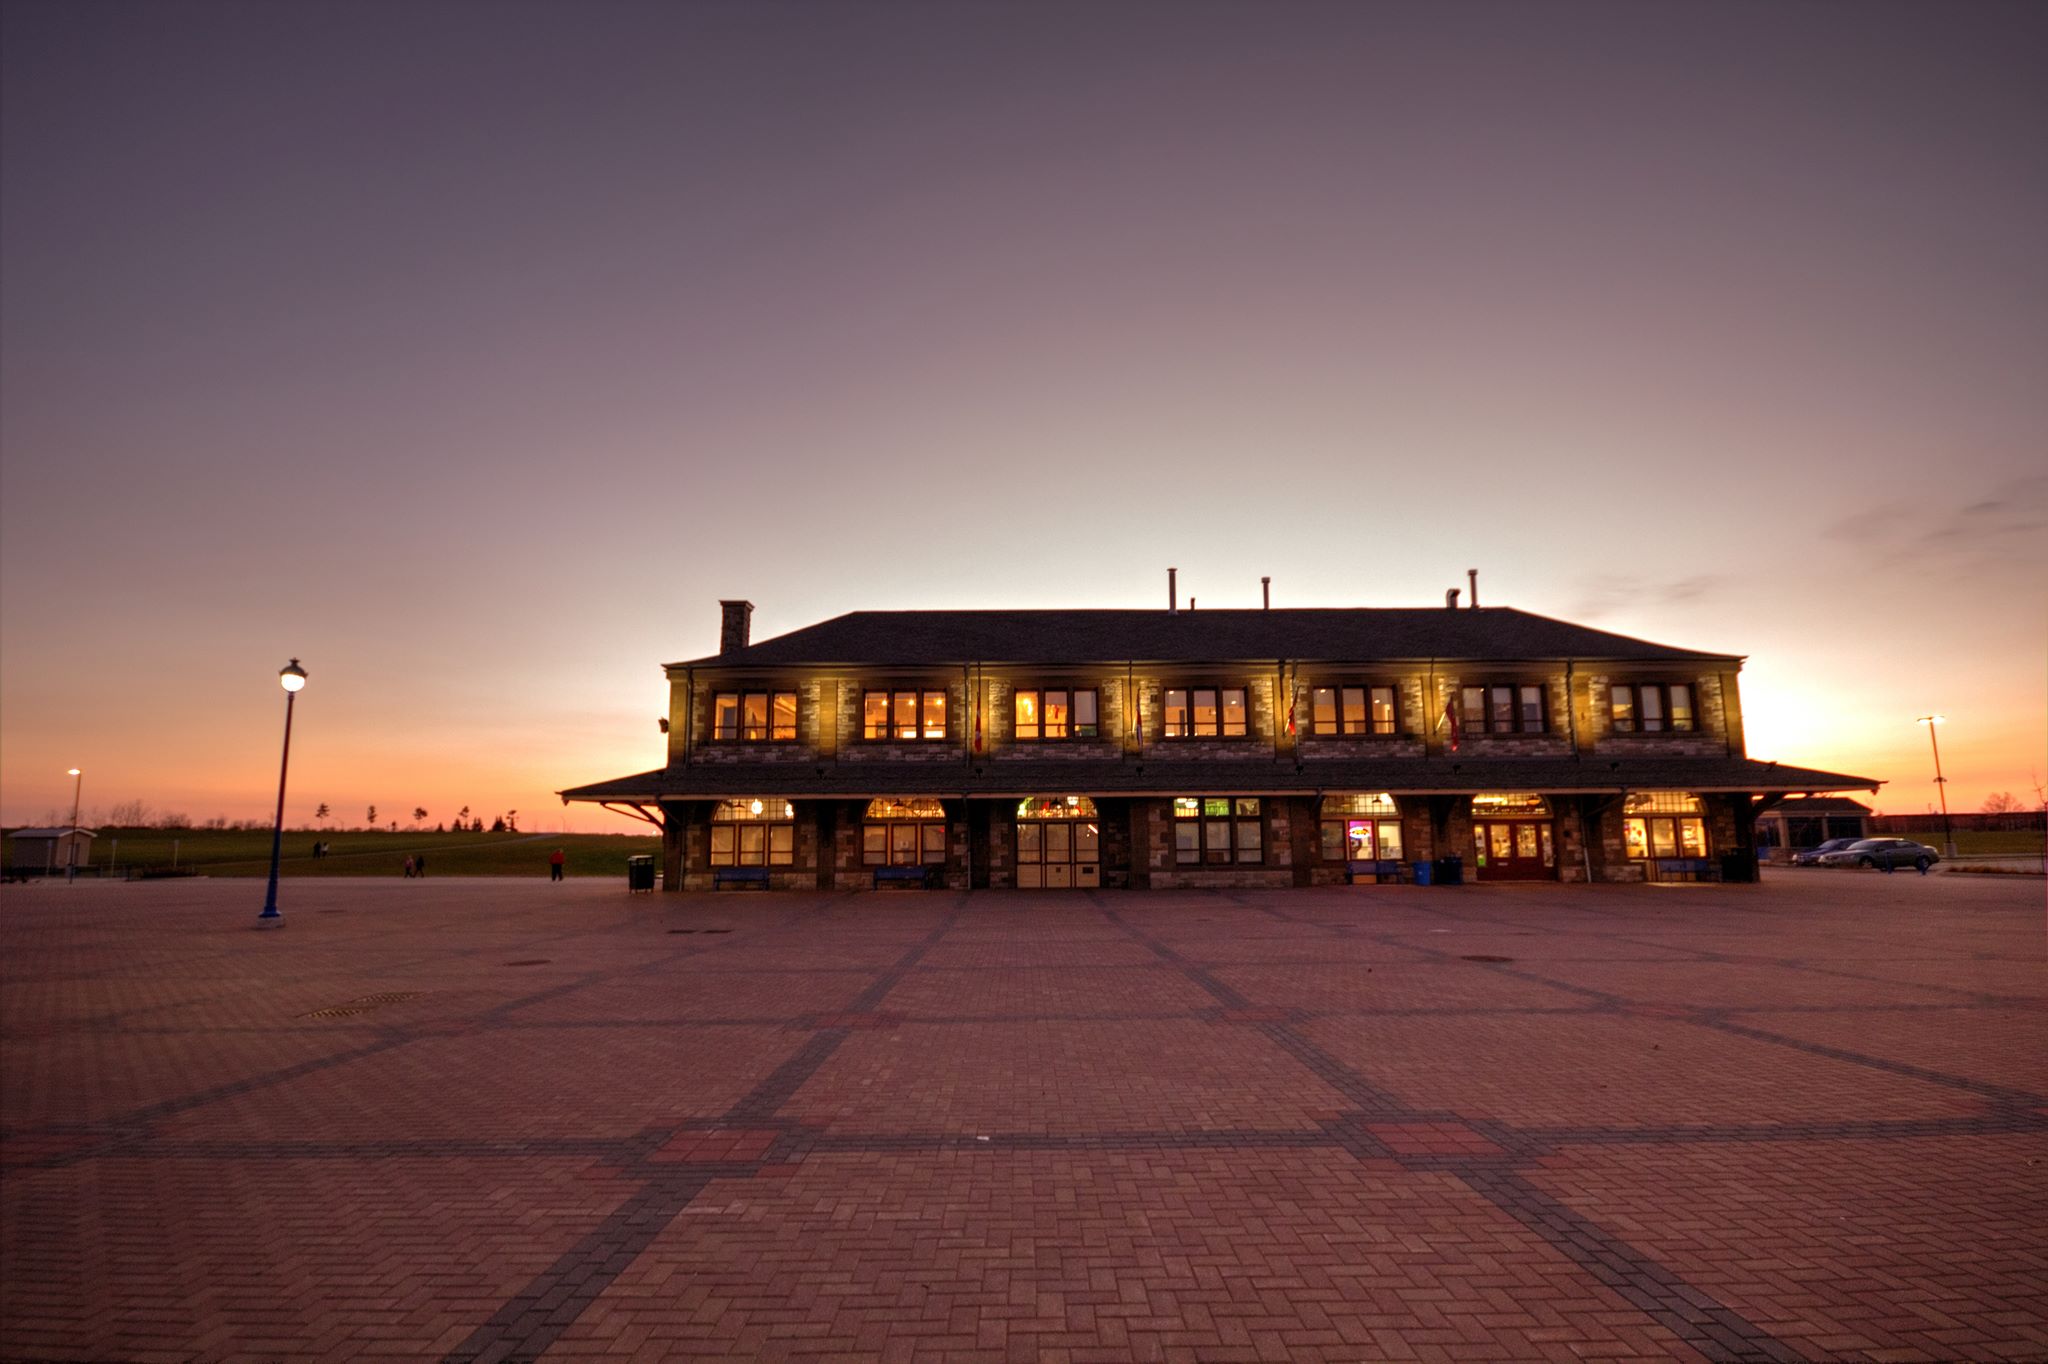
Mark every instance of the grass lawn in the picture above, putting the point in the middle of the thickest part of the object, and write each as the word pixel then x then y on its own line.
pixel 234 853
pixel 1984 842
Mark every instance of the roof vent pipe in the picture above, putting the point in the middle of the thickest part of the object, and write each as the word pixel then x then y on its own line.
pixel 1266 591
pixel 1191 603
pixel 1451 600
pixel 1172 592
pixel 1472 577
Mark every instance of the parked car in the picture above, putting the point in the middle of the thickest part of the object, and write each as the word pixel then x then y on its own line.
pixel 1807 857
pixel 1879 852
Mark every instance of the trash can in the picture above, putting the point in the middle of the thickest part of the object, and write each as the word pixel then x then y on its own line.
pixel 639 873
pixel 1738 867
pixel 1423 872
pixel 1450 871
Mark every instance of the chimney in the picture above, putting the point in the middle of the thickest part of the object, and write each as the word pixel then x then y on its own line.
pixel 1191 603
pixel 734 625
pixel 1451 600
pixel 1472 577
pixel 1266 591
pixel 1172 592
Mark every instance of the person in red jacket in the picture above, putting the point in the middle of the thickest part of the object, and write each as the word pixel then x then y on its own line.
pixel 556 860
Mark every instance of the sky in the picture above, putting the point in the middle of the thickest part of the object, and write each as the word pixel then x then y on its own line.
pixel 470 353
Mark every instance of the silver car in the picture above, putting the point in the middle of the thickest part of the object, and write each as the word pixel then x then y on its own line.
pixel 1883 852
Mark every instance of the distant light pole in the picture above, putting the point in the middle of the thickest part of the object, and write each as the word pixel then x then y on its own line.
pixel 71 834
pixel 291 677
pixel 1948 836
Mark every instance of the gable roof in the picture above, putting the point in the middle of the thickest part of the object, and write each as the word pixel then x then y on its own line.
pixel 937 638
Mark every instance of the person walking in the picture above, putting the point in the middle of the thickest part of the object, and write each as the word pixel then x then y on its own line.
pixel 419 866
pixel 408 867
pixel 556 861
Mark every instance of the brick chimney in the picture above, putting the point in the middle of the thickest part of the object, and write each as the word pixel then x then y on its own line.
pixel 735 624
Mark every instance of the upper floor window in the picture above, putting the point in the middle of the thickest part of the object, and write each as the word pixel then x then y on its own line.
pixel 1352 710
pixel 754 716
pixel 1217 829
pixel 1056 713
pixel 1504 708
pixel 904 715
pixel 1205 713
pixel 1650 707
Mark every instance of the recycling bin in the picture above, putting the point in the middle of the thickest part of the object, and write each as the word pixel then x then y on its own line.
pixel 1450 871
pixel 1423 873
pixel 639 873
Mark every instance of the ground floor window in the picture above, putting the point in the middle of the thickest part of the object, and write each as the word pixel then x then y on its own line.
pixel 1059 843
pixel 1214 830
pixel 1664 824
pixel 903 833
pixel 753 833
pixel 1360 828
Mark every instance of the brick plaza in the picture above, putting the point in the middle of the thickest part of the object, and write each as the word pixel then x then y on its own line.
pixel 491 1120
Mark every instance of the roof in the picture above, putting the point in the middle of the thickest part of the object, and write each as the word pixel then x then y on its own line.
pixel 49 833
pixel 1822 805
pixel 936 638
pixel 1405 776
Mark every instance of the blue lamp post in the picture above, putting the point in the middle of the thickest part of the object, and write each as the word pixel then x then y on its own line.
pixel 291 677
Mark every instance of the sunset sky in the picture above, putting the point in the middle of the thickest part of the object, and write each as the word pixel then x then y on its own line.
pixel 471 352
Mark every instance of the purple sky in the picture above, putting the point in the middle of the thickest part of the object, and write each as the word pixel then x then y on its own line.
pixel 471 352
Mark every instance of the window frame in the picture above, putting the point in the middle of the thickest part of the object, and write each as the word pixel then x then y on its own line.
pixel 920 714
pixel 1666 721
pixel 1073 723
pixel 1366 726
pixel 1188 725
pixel 1242 831
pixel 736 824
pixel 771 733
pixel 1488 722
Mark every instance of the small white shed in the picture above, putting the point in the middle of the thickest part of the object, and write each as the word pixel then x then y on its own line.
pixel 48 850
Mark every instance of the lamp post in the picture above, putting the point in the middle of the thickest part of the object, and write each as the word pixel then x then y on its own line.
pixel 71 834
pixel 1948 836
pixel 291 677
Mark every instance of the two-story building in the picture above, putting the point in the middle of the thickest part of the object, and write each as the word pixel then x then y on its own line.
pixel 1183 748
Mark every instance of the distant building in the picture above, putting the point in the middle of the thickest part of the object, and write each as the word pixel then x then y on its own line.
pixel 1809 821
pixel 48 850
pixel 1181 748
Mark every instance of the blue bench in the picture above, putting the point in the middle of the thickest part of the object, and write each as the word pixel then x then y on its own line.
pixel 721 877
pixel 920 876
pixel 1384 869
pixel 1686 868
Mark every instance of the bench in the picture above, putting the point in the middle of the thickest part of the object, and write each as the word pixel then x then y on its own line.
pixel 1383 869
pixel 721 877
pixel 1686 868
pixel 921 876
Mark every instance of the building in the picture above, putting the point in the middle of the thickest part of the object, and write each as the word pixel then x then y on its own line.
pixel 49 850
pixel 1183 748
pixel 1808 822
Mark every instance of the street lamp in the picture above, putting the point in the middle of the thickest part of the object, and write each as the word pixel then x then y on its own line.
pixel 291 677
pixel 1948 836
pixel 71 834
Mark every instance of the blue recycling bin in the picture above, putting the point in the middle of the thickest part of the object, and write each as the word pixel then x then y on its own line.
pixel 1423 873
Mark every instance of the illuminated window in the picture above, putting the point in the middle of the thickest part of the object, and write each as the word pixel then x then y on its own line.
pixel 1056 807
pixel 1217 830
pixel 1510 805
pixel 1650 707
pixel 1352 710
pixel 903 715
pixel 1360 828
pixel 753 716
pixel 1504 708
pixel 903 833
pixel 1206 713
pixel 1664 824
pixel 760 832
pixel 1056 713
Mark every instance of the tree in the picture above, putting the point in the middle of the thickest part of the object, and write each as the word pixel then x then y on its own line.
pixel 323 812
pixel 497 825
pixel 462 818
pixel 371 818
pixel 130 814
pixel 175 819
pixel 419 814
pixel 2002 803
pixel 512 821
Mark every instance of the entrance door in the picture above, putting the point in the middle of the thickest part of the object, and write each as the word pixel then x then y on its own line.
pixel 1515 850
pixel 1058 854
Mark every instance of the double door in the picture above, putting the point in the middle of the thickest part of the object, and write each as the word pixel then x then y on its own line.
pixel 1515 850
pixel 1058 854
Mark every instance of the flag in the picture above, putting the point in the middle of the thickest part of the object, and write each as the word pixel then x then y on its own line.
pixel 977 728
pixel 1451 721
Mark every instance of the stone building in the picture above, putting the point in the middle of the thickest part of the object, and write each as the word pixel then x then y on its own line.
pixel 1170 748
